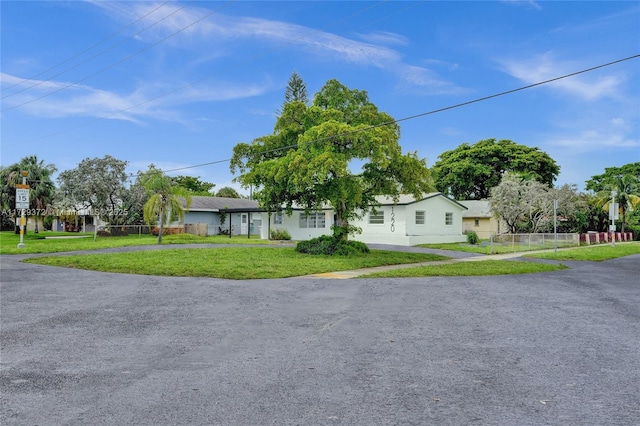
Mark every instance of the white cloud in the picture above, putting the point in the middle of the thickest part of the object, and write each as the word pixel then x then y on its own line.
pixel 219 29
pixel 148 100
pixel 594 139
pixel 384 37
pixel 545 67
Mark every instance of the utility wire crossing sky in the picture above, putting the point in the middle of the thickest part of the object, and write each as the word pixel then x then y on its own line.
pixel 172 83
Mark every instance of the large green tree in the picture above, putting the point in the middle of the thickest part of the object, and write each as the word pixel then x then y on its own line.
pixel 42 189
pixel 165 203
pixel 194 185
pixel 468 172
pixel 310 159
pixel 603 181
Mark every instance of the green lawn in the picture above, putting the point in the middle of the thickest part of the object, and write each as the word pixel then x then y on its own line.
pixel 230 262
pixel 592 253
pixel 486 248
pixel 460 269
pixel 37 243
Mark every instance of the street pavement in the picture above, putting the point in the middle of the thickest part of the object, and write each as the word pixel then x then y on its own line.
pixel 91 348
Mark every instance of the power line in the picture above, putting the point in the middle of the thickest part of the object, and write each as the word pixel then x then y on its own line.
pixel 133 55
pixel 185 86
pixel 110 36
pixel 411 117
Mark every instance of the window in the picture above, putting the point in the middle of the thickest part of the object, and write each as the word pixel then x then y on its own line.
pixel 376 218
pixel 420 217
pixel 448 218
pixel 278 219
pixel 312 220
pixel 476 222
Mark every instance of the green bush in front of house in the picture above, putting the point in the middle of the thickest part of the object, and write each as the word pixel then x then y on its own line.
pixel 280 234
pixel 472 238
pixel 331 246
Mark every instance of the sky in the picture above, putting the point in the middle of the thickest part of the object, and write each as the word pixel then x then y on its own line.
pixel 180 83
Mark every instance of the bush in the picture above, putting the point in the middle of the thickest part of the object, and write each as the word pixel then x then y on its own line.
pixel 280 234
pixel 104 233
pixel 331 246
pixel 472 237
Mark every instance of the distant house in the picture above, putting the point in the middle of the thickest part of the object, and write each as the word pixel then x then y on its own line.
pixel 479 218
pixel 434 218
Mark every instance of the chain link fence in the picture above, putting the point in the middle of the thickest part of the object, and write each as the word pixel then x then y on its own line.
pixel 526 242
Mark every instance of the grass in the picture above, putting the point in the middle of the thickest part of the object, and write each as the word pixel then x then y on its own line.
pixel 597 253
pixel 230 262
pixel 485 248
pixel 36 243
pixel 468 269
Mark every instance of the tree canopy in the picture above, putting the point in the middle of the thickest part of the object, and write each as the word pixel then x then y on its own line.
pixel 194 185
pixel 312 158
pixel 526 205
pixel 102 185
pixel 468 172
pixel 228 192
pixel 42 188
pixel 600 182
pixel 296 90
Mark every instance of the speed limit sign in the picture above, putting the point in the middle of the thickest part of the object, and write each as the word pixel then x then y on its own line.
pixel 22 198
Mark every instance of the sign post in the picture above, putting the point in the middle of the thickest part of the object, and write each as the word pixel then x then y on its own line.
pixel 613 215
pixel 22 203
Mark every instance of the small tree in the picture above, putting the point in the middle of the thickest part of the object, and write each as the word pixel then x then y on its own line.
pixel 165 202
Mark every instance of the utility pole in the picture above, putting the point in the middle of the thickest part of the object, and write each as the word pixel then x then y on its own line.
pixel 612 213
pixel 555 226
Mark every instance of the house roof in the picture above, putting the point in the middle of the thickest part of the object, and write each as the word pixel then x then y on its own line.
pixel 404 199
pixel 477 208
pixel 214 204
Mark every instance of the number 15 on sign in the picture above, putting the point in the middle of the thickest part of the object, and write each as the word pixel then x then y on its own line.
pixel 22 198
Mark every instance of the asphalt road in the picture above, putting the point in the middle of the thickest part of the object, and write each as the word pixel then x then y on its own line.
pixel 88 348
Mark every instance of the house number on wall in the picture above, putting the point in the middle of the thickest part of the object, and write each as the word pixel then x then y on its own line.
pixel 393 220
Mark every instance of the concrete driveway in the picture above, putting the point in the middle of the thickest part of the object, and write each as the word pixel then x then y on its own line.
pixel 89 348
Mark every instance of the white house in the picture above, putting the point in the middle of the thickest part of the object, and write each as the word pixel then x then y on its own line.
pixel 434 218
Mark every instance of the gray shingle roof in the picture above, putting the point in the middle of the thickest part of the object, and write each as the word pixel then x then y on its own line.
pixel 202 203
pixel 477 208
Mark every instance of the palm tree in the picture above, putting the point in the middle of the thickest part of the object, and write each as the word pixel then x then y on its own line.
pixel 166 199
pixel 42 188
pixel 627 195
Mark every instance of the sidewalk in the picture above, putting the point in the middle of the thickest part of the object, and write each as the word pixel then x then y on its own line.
pixel 470 258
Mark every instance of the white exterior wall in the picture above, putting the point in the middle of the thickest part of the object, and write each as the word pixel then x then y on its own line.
pixel 292 225
pixel 407 232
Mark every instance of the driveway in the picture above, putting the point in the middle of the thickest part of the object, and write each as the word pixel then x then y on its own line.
pixel 90 348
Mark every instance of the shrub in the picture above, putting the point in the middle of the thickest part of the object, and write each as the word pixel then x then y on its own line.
pixel 280 234
pixel 329 245
pixel 472 237
pixel 104 233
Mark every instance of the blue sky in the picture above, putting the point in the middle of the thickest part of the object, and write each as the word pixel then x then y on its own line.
pixel 180 83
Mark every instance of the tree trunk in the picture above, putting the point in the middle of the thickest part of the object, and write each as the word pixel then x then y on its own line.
pixel 341 229
pixel 161 224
